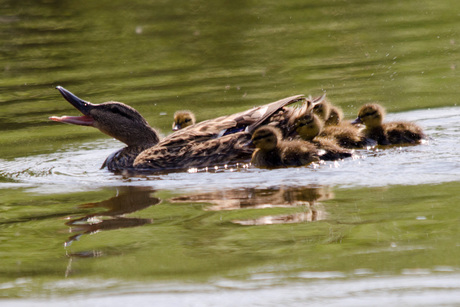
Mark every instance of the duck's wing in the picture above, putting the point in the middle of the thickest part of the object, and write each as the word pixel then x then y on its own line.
pixel 225 125
pixel 227 149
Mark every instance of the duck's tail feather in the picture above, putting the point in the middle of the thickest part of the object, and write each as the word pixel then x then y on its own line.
pixel 271 108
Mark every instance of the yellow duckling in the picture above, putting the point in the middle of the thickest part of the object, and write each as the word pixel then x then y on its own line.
pixel 309 128
pixel 182 119
pixel 371 115
pixel 271 151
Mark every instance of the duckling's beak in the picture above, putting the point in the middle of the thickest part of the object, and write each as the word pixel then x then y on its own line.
pixel 176 127
pixel 357 121
pixel 81 105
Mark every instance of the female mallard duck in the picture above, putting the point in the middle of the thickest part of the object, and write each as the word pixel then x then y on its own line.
pixel 371 115
pixel 216 141
pixel 183 119
pixel 271 151
pixel 309 127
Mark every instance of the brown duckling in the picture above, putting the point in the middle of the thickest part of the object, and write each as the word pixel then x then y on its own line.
pixel 271 151
pixel 309 127
pixel 371 115
pixel 322 109
pixel 182 119
pixel 345 135
pixel 328 113
pixel 211 142
pixel 335 116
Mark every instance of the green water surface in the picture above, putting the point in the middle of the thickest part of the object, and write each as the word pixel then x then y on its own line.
pixel 215 58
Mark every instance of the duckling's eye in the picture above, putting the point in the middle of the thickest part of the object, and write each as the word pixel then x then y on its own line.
pixel 187 120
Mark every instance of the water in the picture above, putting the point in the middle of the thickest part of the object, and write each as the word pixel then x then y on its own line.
pixel 382 226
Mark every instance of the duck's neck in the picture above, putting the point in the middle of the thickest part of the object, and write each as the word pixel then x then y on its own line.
pixel 124 158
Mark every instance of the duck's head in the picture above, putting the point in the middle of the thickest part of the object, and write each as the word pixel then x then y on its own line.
pixel 308 126
pixel 266 138
pixel 183 119
pixel 322 109
pixel 370 115
pixel 115 119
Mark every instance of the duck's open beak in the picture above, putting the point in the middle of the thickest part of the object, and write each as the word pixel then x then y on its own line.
pixel 81 105
pixel 357 121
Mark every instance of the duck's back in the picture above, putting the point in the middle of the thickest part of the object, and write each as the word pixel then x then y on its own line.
pixel 298 153
pixel 403 132
pixel 227 149
pixel 213 142
pixel 346 135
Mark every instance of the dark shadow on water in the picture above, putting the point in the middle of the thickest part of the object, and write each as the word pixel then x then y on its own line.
pixel 128 200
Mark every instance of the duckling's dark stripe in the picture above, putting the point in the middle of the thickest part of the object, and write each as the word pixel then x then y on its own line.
pixel 369 114
pixel 261 136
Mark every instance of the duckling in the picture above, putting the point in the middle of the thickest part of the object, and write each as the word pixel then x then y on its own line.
pixel 271 151
pixel 335 116
pixel 309 127
pixel 328 113
pixel 371 115
pixel 183 119
pixel 323 109
pixel 211 142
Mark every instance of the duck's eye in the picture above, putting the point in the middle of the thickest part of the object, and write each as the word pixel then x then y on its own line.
pixel 117 110
pixel 187 120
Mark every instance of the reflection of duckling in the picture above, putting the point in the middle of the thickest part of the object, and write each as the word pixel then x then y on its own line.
pixel 309 126
pixel 371 115
pixel 183 119
pixel 272 152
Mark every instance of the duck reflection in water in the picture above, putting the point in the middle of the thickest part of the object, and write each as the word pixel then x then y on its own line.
pixel 259 198
pixel 127 200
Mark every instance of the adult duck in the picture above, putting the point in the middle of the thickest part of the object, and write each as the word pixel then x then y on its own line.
pixel 392 133
pixel 216 141
pixel 272 152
